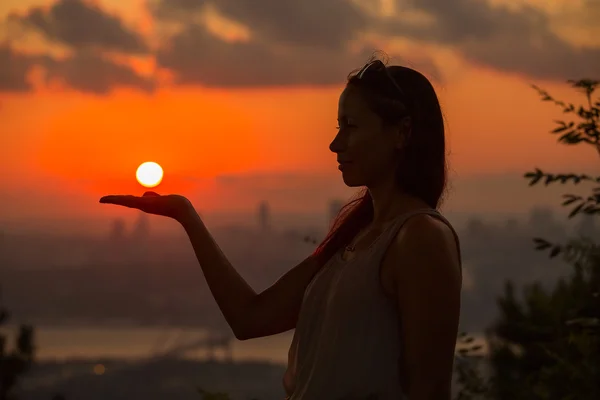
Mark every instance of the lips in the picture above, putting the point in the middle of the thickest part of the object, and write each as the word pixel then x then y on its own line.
pixel 343 164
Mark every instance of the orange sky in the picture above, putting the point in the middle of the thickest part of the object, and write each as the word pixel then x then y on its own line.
pixel 61 143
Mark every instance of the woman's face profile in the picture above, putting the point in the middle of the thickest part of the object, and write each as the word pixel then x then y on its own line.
pixel 366 150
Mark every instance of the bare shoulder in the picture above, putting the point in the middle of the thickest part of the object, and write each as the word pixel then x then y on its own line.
pixel 422 232
pixel 425 246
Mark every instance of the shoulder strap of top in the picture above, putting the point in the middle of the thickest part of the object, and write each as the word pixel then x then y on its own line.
pixel 392 232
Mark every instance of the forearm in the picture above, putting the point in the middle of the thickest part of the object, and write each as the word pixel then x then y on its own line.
pixel 428 382
pixel 231 292
pixel 430 392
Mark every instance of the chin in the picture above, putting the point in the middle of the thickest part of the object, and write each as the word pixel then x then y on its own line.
pixel 352 181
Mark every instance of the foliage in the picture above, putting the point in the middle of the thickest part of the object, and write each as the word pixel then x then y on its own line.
pixel 17 361
pixel 468 370
pixel 546 345
pixel 213 395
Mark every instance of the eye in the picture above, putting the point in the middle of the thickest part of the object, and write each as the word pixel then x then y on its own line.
pixel 344 124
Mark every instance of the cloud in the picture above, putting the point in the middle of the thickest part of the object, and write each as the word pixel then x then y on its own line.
pixel 83 71
pixel 83 25
pixel 198 57
pixel 290 42
pixel 92 73
pixel 309 42
pixel 13 70
pixel 89 34
pixel 330 24
pixel 514 40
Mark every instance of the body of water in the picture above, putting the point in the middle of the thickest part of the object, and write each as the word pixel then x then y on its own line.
pixel 63 343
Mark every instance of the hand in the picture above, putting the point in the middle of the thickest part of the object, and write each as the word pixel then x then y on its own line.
pixel 172 205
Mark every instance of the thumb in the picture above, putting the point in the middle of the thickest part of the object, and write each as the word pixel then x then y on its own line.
pixel 151 194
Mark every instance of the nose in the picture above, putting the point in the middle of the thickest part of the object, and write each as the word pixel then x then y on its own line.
pixel 337 145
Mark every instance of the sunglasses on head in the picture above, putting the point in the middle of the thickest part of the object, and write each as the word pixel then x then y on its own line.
pixel 377 66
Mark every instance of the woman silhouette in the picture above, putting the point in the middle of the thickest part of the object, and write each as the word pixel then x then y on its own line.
pixel 375 308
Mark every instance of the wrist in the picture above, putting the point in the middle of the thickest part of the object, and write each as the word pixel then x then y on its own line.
pixel 188 217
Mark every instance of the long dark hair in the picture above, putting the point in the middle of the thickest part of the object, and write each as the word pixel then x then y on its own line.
pixel 393 93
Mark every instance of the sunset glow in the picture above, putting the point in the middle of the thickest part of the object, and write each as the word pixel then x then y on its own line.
pixel 240 107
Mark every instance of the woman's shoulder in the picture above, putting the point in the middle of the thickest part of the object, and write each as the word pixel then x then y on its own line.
pixel 424 225
pixel 424 246
pixel 424 233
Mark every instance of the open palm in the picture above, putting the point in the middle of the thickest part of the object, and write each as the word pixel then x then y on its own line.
pixel 172 205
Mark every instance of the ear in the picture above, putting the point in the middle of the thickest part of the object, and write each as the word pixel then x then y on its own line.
pixel 403 132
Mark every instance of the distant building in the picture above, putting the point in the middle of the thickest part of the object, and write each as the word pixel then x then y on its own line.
pixel 335 206
pixel 542 217
pixel 543 220
pixel 117 231
pixel 264 216
pixel 141 229
pixel 511 225
pixel 476 228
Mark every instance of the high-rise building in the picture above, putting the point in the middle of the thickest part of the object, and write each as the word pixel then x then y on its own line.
pixel 541 217
pixel 264 216
pixel 141 229
pixel 335 206
pixel 117 231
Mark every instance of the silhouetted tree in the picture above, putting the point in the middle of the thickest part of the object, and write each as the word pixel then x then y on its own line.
pixel 546 343
pixel 16 361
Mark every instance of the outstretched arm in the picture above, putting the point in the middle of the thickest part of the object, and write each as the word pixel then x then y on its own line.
pixel 248 314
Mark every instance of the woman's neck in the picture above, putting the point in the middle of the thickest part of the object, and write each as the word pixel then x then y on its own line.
pixel 389 201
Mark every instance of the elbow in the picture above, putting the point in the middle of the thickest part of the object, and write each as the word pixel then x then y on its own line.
pixel 430 391
pixel 242 336
pixel 245 329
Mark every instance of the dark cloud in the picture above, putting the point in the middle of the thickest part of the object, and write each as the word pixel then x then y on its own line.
pixel 82 25
pixel 320 24
pixel 89 33
pixel 519 41
pixel 306 42
pixel 92 73
pixel 198 57
pixel 329 24
pixel 13 70
pixel 292 42
pixel 83 71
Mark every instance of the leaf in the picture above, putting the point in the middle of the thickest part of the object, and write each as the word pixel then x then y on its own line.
pixel 576 210
pixel 549 179
pixel 541 244
pixel 570 199
pixel 561 128
pixel 534 176
pixel 555 251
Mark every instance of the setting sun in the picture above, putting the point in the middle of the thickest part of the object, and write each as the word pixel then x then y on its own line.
pixel 149 174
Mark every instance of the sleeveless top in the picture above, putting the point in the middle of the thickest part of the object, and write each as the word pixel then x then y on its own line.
pixel 346 343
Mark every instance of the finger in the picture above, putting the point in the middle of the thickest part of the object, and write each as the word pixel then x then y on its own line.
pixel 121 200
pixel 148 194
